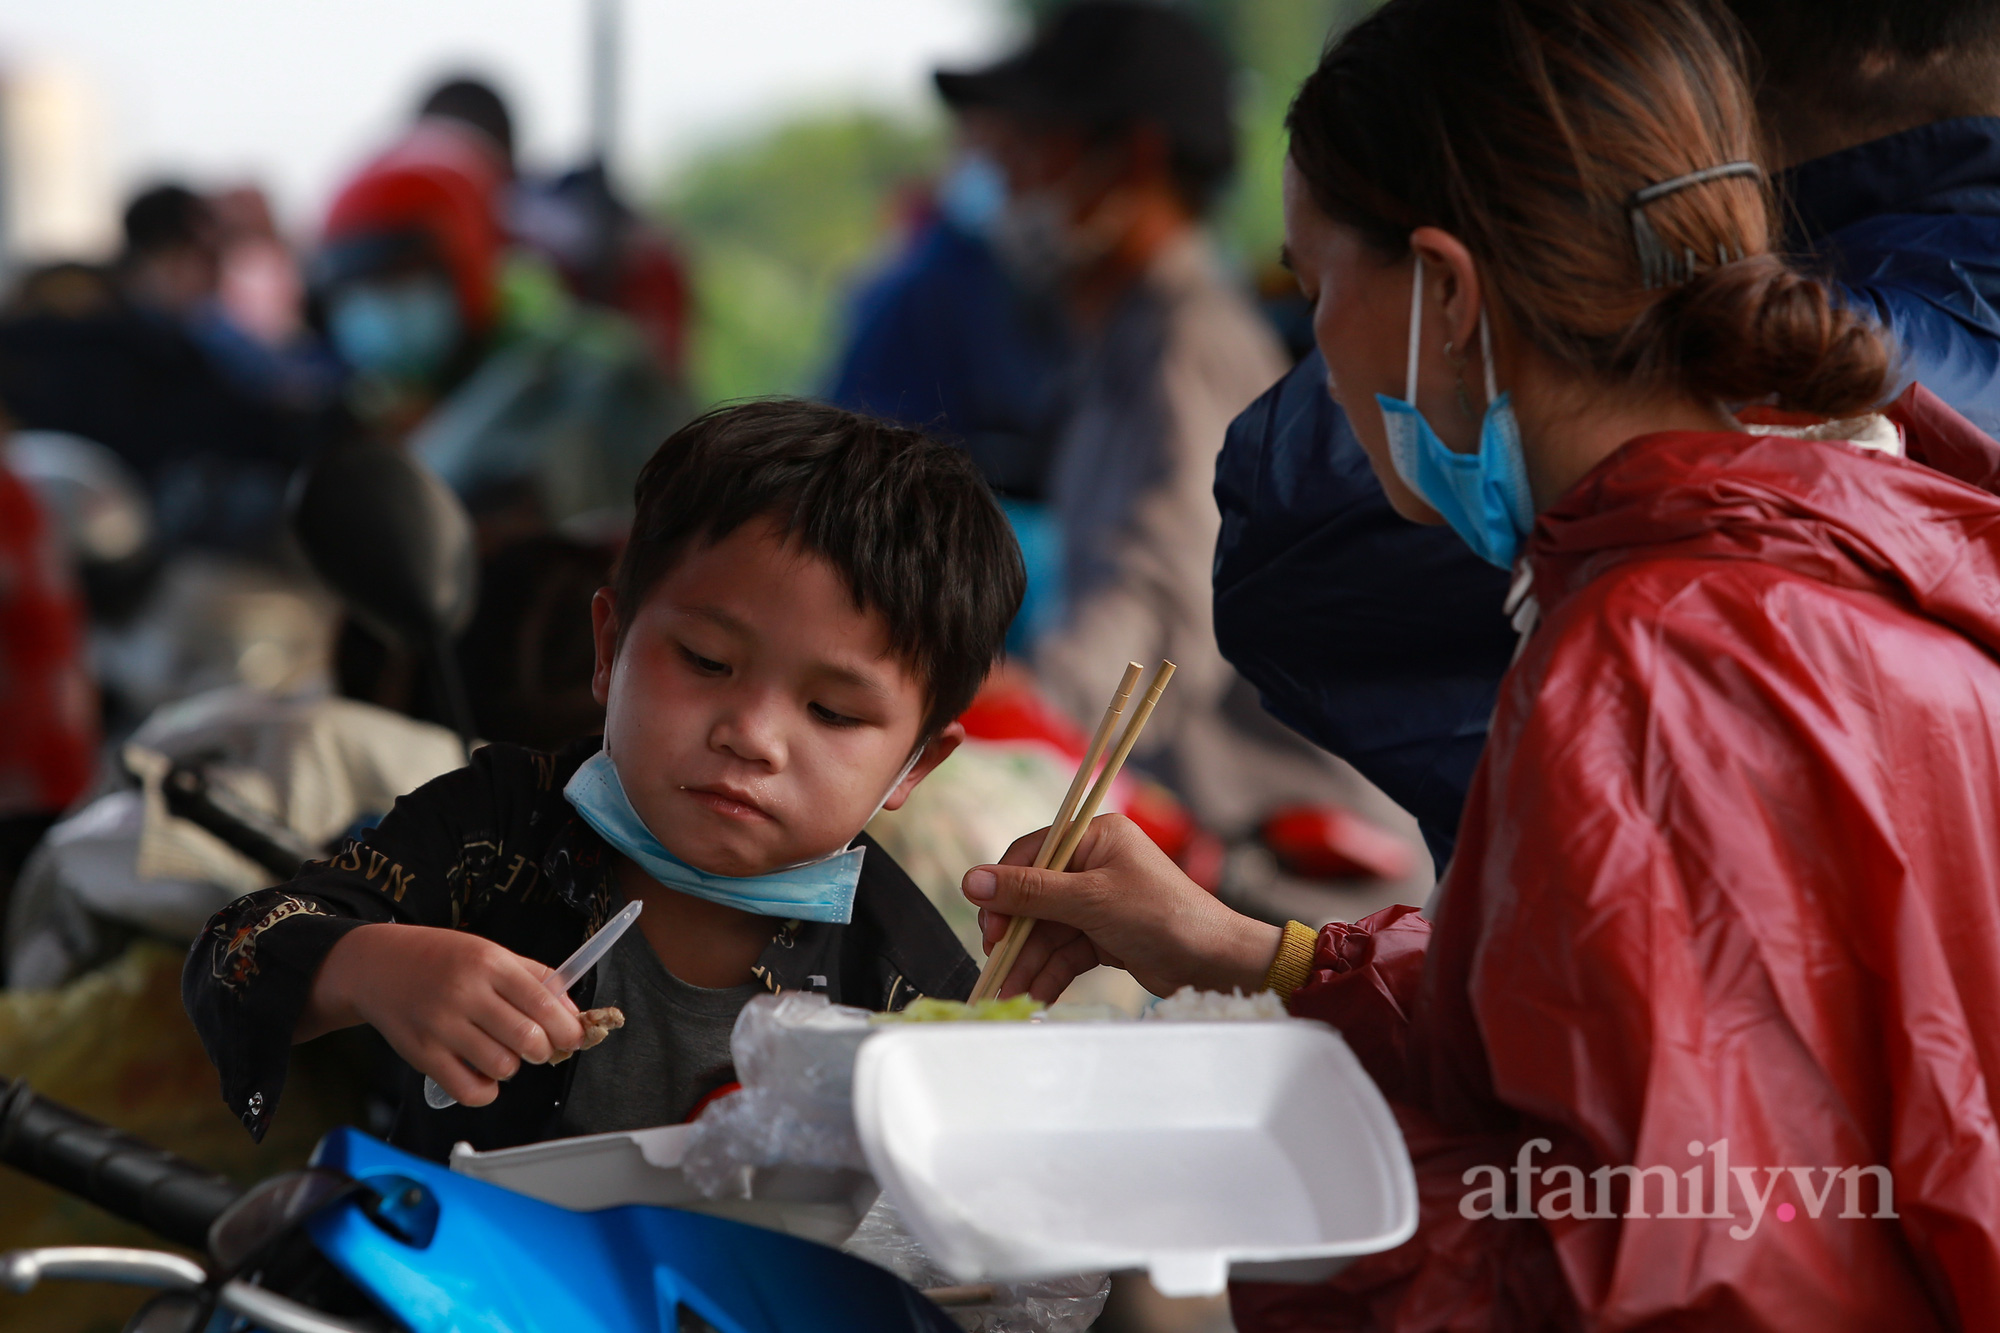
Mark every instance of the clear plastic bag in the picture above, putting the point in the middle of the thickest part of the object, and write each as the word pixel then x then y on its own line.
pixel 1055 1305
pixel 794 1054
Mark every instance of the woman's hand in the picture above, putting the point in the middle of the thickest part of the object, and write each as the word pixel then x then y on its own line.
pixel 457 1007
pixel 1122 903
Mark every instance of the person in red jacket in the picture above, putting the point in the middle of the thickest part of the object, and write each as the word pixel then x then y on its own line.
pixel 48 702
pixel 1697 1032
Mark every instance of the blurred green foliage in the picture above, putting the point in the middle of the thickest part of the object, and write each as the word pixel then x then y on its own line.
pixel 1276 44
pixel 779 223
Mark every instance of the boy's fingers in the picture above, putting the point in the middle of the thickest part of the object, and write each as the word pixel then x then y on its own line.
pixel 466 1085
pixel 485 1053
pixel 561 997
pixel 553 1014
pixel 519 1034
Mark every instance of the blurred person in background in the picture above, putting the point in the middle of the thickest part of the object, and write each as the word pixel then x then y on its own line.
pixel 129 358
pixel 608 255
pixel 1113 131
pixel 488 354
pixel 526 656
pixel 605 253
pixel 1887 120
pixel 217 268
pixel 943 337
pixel 536 408
pixel 172 265
pixel 408 269
pixel 255 326
pixel 1383 640
pixel 944 334
pixel 48 709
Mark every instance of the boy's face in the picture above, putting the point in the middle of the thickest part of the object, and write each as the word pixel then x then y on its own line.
pixel 755 715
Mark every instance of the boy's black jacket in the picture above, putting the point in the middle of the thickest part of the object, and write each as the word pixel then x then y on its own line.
pixel 494 848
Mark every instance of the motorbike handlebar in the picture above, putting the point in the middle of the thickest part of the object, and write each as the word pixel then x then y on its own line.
pixel 123 1175
pixel 190 795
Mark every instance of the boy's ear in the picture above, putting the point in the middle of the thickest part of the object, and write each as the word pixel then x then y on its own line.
pixel 604 633
pixel 935 753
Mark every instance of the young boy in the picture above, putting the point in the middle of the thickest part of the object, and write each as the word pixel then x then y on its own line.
pixel 808 600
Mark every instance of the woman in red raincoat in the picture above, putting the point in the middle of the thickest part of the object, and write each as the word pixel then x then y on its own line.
pixel 1698 1030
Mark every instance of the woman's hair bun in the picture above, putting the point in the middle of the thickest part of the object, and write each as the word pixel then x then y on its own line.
pixel 1754 327
pixel 1529 129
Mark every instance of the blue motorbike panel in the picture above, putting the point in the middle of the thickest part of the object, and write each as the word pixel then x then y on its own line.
pixel 501 1262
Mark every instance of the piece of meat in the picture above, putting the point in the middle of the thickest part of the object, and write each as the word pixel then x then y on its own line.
pixel 597 1025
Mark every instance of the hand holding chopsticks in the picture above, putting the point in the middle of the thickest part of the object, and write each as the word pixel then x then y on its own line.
pixel 1060 843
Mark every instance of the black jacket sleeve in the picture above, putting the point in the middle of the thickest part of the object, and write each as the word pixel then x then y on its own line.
pixel 1378 639
pixel 251 971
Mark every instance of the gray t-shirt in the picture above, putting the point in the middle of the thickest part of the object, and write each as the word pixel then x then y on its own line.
pixel 672 1051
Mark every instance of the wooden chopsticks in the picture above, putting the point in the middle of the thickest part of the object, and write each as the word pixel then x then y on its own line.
pixel 1060 842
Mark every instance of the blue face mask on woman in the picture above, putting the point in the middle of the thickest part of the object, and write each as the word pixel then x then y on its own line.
pixel 818 890
pixel 1484 495
pixel 402 330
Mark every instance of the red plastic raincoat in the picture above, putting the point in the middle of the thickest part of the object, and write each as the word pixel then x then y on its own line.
pixel 1726 903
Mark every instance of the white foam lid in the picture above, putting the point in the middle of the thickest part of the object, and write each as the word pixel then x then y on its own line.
pixel 1187 1150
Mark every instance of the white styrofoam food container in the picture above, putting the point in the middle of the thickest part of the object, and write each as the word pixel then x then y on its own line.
pixel 644 1166
pixel 1189 1150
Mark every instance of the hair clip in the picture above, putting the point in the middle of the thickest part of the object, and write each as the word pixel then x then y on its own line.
pixel 1657 266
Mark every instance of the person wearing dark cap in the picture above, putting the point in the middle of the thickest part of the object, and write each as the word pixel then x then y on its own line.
pixel 1113 129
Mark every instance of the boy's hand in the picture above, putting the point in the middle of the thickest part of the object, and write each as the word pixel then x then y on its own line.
pixel 458 1007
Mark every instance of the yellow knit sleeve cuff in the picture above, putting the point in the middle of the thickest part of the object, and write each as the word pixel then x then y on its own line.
pixel 1293 964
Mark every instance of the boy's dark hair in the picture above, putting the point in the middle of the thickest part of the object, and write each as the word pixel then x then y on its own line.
pixel 905 518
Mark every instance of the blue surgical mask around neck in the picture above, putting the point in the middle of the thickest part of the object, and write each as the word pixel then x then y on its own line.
pixel 1483 495
pixel 821 889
